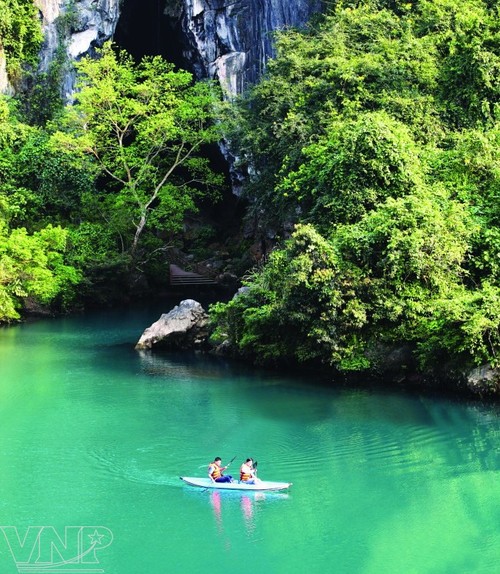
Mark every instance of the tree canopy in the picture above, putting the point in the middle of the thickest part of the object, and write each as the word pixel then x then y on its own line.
pixel 144 126
pixel 112 177
pixel 20 35
pixel 378 129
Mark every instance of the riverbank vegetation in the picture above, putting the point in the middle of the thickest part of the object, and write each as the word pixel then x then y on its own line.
pixel 112 176
pixel 373 159
pixel 376 134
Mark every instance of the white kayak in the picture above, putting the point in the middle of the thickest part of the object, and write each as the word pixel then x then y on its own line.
pixel 235 485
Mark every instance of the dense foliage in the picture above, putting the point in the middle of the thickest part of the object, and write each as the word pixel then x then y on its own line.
pixel 372 151
pixel 34 267
pixel 142 124
pixel 376 132
pixel 20 35
pixel 106 184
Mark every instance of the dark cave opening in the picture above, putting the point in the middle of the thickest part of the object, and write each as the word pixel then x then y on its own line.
pixel 147 28
pixel 151 28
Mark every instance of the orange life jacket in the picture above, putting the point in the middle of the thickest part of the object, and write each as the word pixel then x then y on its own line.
pixel 245 475
pixel 216 473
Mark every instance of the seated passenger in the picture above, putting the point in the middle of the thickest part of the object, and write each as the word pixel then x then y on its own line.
pixel 248 473
pixel 215 471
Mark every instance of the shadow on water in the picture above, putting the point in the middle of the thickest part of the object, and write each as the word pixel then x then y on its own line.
pixel 281 396
pixel 192 364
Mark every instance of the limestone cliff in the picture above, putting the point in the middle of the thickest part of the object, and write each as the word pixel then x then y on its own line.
pixel 50 10
pixel 226 39
pixel 5 87
pixel 79 25
pixel 232 39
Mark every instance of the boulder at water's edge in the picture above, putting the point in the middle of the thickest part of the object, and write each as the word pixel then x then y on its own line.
pixel 484 380
pixel 184 327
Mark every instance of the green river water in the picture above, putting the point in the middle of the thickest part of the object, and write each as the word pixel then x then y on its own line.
pixel 94 436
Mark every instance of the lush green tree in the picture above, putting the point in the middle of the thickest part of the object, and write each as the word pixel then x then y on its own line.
pixel 145 126
pixel 430 65
pixel 469 166
pixel 379 126
pixel 359 59
pixel 382 280
pixel 42 185
pixel 409 254
pixel 33 267
pixel 351 170
pixel 467 37
pixel 13 135
pixel 291 306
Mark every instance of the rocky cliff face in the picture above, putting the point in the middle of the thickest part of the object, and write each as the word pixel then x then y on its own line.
pixel 226 39
pixel 79 25
pixel 232 39
pixel 5 87
pixel 50 10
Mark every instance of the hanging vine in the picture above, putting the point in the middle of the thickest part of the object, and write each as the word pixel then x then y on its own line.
pixel 20 36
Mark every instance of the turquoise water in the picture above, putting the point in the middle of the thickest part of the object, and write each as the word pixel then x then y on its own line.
pixel 94 434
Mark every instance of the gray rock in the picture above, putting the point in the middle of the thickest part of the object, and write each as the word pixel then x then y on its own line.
pixel 225 349
pixel 94 21
pixel 230 40
pixel 484 380
pixel 184 327
pixel 241 291
pixel 227 279
pixel 233 40
pixel 5 85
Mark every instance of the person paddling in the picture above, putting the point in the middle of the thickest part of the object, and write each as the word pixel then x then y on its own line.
pixel 215 471
pixel 248 473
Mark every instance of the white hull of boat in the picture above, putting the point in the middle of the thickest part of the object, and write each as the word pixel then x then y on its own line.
pixel 236 485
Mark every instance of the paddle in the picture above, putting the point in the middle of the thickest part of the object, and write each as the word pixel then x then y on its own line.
pixel 229 462
pixel 255 470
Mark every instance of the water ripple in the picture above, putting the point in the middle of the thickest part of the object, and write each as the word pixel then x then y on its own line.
pixel 133 468
pixel 412 449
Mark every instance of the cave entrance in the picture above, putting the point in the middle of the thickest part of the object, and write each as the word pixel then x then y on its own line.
pixel 152 28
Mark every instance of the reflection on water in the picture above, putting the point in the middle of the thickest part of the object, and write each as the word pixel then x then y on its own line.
pixel 247 509
pixel 94 433
pixel 184 366
pixel 247 502
pixel 216 505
